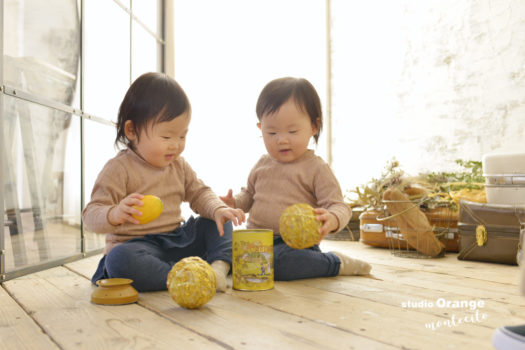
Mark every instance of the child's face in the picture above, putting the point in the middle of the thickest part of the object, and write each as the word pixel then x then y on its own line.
pixel 287 132
pixel 161 143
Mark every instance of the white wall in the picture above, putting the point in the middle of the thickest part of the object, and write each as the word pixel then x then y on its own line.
pixel 427 82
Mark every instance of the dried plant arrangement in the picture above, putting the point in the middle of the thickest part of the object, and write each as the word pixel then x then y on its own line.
pixel 370 195
pixel 434 189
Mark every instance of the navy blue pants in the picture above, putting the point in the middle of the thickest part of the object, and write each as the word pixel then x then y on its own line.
pixel 148 260
pixel 293 264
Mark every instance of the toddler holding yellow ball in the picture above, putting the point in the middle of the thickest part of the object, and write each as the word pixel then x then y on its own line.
pixel 289 114
pixel 153 121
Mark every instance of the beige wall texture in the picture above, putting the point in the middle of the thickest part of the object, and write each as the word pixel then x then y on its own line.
pixel 426 82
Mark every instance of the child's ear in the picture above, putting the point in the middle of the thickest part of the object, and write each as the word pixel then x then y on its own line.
pixel 315 128
pixel 129 130
pixel 259 126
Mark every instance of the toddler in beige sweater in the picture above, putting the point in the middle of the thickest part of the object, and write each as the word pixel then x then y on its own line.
pixel 289 113
pixel 153 121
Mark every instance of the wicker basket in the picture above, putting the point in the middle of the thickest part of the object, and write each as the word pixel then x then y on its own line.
pixel 445 223
pixel 405 241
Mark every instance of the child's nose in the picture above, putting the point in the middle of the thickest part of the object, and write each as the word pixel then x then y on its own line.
pixel 282 139
pixel 174 145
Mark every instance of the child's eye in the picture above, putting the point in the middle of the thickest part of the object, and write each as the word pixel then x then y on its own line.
pixel 293 131
pixel 166 137
pixel 272 133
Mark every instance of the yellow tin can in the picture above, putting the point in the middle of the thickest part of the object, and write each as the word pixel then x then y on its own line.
pixel 252 267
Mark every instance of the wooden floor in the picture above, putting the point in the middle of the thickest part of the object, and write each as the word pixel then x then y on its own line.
pixel 403 305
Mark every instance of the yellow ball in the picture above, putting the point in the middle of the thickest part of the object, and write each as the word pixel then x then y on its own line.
pixel 191 282
pixel 151 209
pixel 298 226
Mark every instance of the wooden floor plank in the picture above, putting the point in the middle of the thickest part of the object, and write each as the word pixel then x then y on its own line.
pixel 241 323
pixel 325 313
pixel 442 285
pixel 447 265
pixel 400 327
pixel 424 299
pixel 18 330
pixel 85 267
pixel 247 325
pixel 59 300
pixel 505 292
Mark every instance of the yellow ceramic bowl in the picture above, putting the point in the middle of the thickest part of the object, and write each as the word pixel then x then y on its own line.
pixel 114 291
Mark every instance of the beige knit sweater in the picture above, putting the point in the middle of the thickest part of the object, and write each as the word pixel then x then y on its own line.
pixel 273 186
pixel 128 173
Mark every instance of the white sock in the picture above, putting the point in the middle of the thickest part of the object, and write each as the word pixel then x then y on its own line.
pixel 352 267
pixel 221 269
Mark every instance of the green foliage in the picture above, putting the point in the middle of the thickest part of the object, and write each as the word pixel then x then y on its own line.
pixel 471 178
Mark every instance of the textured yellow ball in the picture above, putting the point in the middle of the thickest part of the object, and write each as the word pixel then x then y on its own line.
pixel 151 209
pixel 191 282
pixel 298 227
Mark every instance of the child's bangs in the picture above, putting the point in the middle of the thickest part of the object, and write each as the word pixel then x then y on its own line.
pixel 170 111
pixel 272 102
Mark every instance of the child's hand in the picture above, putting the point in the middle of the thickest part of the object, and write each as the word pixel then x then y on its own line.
pixel 228 199
pixel 329 221
pixel 223 215
pixel 124 210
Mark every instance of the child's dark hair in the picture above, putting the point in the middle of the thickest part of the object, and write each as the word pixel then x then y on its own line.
pixel 279 91
pixel 153 97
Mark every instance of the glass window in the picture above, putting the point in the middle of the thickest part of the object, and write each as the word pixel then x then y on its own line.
pixel 366 58
pixel 125 3
pixel 145 50
pixel 224 67
pixel 107 58
pixel 41 150
pixel 98 149
pixel 41 146
pixel 147 12
pixel 42 48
